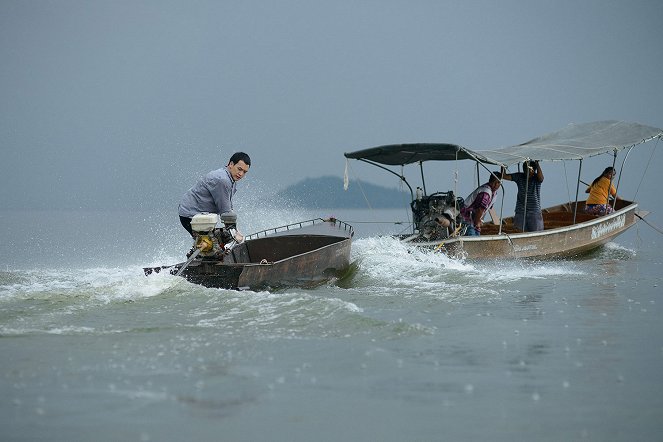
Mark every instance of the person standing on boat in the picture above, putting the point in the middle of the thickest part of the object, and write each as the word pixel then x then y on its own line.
pixel 598 202
pixel 528 217
pixel 214 192
pixel 477 203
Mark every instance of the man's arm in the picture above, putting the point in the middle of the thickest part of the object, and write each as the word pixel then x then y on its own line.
pixel 506 176
pixel 482 203
pixel 613 192
pixel 539 172
pixel 220 190
pixel 478 217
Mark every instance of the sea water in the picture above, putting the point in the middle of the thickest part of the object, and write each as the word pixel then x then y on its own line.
pixel 409 345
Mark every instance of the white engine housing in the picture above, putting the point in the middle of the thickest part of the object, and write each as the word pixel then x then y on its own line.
pixel 204 222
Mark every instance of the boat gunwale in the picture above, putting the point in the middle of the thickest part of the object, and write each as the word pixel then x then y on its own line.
pixel 342 229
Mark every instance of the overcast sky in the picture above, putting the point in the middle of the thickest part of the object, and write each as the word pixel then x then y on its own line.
pixel 123 103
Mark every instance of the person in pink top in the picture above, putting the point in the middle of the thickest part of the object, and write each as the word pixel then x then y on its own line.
pixel 477 203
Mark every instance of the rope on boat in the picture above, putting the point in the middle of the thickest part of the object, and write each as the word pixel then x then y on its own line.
pixel 377 222
pixel 650 224
pixel 646 167
pixel 368 203
pixel 513 247
pixel 455 234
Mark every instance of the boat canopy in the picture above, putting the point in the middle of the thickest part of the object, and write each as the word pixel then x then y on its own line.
pixel 401 154
pixel 574 142
pixel 577 141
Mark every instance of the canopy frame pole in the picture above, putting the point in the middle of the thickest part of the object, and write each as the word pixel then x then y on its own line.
pixel 614 161
pixel 619 178
pixel 423 180
pixel 526 172
pixel 401 176
pixel 575 208
pixel 499 232
pixel 456 208
pixel 391 172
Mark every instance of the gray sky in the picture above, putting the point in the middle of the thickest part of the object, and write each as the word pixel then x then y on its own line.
pixel 125 103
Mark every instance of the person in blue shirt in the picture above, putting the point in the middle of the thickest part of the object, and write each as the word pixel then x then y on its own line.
pixel 214 192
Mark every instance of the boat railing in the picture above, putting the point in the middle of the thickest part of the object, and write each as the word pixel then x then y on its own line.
pixel 298 225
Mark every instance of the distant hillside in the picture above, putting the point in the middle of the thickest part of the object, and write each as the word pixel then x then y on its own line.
pixel 327 191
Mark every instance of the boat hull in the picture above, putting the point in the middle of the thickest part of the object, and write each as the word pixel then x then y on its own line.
pixel 299 255
pixel 309 268
pixel 561 237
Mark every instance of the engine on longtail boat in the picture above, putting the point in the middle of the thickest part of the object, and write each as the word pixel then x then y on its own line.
pixel 211 240
pixel 436 216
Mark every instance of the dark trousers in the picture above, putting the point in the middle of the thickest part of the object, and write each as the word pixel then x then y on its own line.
pixel 533 221
pixel 186 223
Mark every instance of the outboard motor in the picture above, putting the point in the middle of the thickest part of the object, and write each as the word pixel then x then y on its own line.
pixel 213 241
pixel 436 216
pixel 226 235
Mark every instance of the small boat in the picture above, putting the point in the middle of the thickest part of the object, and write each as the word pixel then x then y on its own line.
pixel 301 254
pixel 568 230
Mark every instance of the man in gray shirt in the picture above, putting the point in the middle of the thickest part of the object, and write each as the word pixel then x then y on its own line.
pixel 214 192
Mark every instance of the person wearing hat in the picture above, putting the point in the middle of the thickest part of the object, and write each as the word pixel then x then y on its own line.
pixel 214 192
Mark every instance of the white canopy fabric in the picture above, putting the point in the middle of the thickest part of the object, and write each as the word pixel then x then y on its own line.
pixel 575 142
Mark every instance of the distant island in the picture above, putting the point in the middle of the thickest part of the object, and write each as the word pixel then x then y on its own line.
pixel 327 191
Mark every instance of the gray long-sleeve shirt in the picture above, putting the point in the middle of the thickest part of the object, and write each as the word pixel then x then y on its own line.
pixel 213 194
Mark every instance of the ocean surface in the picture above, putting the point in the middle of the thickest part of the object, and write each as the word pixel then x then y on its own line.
pixel 408 346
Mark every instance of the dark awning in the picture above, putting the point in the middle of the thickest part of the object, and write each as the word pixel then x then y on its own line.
pixel 401 154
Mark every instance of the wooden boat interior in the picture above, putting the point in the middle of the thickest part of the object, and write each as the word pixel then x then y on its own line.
pixel 553 218
pixel 276 248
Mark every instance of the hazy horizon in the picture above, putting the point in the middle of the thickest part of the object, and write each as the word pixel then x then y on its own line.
pixel 125 104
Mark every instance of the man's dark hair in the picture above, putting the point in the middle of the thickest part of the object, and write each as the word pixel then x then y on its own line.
pixel 240 156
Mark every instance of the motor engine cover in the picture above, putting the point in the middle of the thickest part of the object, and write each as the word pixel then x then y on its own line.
pixel 204 222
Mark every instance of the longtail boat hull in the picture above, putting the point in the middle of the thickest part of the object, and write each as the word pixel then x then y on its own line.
pixel 298 255
pixel 560 238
